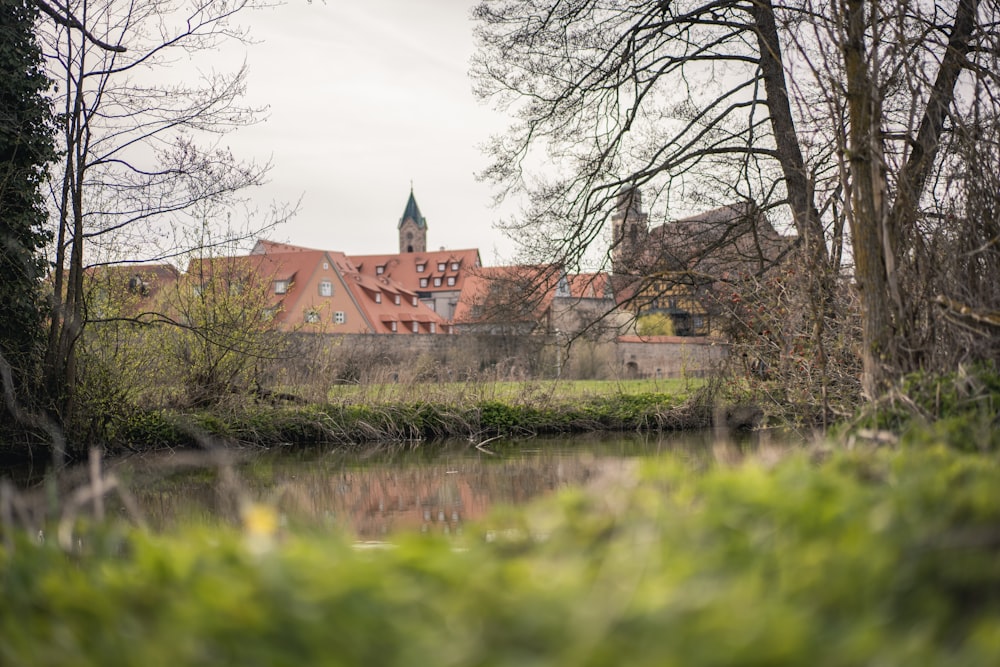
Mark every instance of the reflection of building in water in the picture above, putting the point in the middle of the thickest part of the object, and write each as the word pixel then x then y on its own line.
pixel 374 502
pixel 378 500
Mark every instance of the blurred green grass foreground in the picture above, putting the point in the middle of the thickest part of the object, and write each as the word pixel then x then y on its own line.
pixel 818 556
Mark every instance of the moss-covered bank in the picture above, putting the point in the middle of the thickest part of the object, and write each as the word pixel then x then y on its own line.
pixel 356 423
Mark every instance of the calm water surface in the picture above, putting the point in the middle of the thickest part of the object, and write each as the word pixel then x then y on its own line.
pixel 430 487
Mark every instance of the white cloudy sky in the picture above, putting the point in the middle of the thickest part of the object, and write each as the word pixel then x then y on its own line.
pixel 364 96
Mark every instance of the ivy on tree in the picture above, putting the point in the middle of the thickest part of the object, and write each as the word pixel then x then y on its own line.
pixel 26 148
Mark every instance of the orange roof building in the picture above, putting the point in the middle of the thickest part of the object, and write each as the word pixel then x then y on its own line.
pixel 437 277
pixel 320 291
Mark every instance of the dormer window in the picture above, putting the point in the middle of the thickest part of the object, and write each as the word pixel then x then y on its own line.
pixel 380 269
pixel 378 297
pixel 416 327
pixel 433 328
pixel 326 288
pixel 280 286
pixel 421 267
pixel 396 299
pixel 441 266
pixel 451 280
pixel 392 327
pixel 454 266
pixel 414 301
pixel 437 282
pixel 423 282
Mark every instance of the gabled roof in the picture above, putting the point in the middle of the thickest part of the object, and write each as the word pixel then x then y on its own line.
pixel 381 313
pixel 296 265
pixel 363 285
pixel 412 212
pixel 403 268
pixel 589 285
pixel 508 294
pixel 144 281
pixel 263 247
pixel 733 239
pixel 162 273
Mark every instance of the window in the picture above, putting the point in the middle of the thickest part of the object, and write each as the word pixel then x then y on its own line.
pixel 312 316
pixel 414 301
pixel 392 327
pixel 326 266
pixel 451 280
pixel 396 299
pixel 454 266
pixel 280 286
pixel 339 317
pixel 380 269
pixel 437 282
pixel 416 327
pixel 421 267
pixel 378 297
pixel 441 266
pixel 326 288
pixel 433 328
pixel 268 314
pixel 423 282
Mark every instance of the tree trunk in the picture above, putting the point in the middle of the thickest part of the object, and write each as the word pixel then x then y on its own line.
pixel 873 254
pixel 800 194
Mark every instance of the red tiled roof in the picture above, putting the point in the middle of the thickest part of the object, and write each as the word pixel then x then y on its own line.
pixel 402 268
pixel 365 285
pixel 382 314
pixel 512 293
pixel 589 285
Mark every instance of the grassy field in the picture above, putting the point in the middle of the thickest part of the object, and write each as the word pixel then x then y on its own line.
pixel 534 390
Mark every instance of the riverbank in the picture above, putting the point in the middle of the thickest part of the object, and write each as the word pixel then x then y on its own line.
pixel 816 556
pixel 878 546
pixel 353 424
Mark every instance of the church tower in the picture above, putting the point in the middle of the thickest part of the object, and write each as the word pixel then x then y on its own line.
pixel 412 228
pixel 629 232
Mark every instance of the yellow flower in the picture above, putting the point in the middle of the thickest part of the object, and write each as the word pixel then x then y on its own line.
pixel 259 521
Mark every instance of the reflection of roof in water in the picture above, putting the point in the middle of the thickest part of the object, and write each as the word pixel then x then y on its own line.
pixel 378 500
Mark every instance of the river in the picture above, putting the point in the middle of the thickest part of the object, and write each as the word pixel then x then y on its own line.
pixel 371 494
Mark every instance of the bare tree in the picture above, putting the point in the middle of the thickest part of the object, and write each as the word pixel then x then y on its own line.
pixel 824 114
pixel 141 127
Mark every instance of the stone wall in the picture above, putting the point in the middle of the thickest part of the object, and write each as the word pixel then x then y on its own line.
pixel 360 358
pixel 669 356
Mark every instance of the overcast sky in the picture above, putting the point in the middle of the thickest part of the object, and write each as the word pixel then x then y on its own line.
pixel 364 97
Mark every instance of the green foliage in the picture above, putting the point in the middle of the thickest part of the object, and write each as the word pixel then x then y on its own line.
pixel 354 424
pixel 26 149
pixel 229 329
pixel 862 557
pixel 960 408
pixel 654 324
